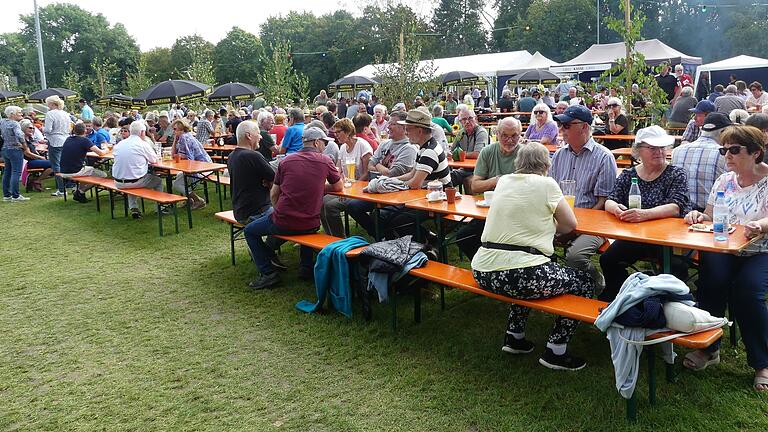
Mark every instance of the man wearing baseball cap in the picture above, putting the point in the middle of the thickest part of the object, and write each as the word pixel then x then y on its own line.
pixel 594 169
pixel 701 160
pixel 693 129
pixel 297 196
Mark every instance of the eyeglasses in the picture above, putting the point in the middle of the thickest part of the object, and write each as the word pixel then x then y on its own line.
pixel 175 129
pixel 612 105
pixel 651 148
pixel 568 125
pixel 465 119
pixel 123 130
pixel 734 150
pixel 539 112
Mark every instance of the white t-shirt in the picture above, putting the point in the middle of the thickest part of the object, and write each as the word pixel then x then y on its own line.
pixel 762 100
pixel 361 149
pixel 521 214
pixel 744 205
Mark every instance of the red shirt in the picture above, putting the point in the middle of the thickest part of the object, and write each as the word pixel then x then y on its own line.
pixel 685 80
pixel 301 177
pixel 279 130
pixel 371 140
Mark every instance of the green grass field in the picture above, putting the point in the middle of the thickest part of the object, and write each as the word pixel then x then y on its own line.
pixel 106 326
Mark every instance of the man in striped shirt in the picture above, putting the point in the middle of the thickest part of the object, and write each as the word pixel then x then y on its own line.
pixel 593 167
pixel 431 164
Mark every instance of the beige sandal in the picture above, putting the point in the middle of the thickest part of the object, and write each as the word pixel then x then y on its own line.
pixel 700 360
pixel 761 380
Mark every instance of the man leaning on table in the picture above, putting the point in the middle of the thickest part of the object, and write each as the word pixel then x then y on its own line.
pixel 393 158
pixel 131 166
pixel 593 167
pixel 297 196
pixel 493 162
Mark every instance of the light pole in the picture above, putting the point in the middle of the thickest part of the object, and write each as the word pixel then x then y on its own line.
pixel 598 22
pixel 40 60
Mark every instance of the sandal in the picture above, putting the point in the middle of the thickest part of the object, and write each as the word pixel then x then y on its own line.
pixel 700 360
pixel 761 380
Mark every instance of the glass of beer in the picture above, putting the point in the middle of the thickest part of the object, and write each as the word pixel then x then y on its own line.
pixel 569 191
pixel 349 165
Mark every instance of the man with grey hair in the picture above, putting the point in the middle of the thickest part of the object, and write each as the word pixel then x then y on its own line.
pixel 250 175
pixel 729 101
pixel 494 161
pixel 701 159
pixel 14 144
pixel 472 138
pixel 593 167
pixel 265 120
pixel 131 167
pixel 292 138
pixel 204 127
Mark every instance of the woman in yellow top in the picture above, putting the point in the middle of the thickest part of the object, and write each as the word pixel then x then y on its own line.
pixel 528 208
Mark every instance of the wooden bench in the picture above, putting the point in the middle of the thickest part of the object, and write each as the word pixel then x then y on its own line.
pixel 316 241
pixel 164 200
pixel 567 305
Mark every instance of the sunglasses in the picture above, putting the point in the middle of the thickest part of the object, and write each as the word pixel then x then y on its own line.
pixel 568 125
pixel 539 112
pixel 734 150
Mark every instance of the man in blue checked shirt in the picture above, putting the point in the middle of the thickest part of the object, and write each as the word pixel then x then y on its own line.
pixel 701 159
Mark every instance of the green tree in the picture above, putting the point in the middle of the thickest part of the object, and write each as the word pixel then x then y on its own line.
pixel 508 13
pixel 749 36
pixel 138 80
pixel 187 49
pixel 13 52
pixel 201 68
pixel 72 39
pixel 159 66
pixel 236 57
pixel 106 77
pixel 404 77
pixel 533 32
pixel 281 83
pixel 462 32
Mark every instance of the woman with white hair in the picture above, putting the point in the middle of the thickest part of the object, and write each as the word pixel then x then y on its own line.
pixel 13 153
pixel 617 124
pixel 542 128
pixel 681 110
pixel 380 121
pixel 57 127
pixel 738 116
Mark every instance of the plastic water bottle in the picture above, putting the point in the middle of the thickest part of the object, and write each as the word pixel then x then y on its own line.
pixel 159 150
pixel 720 219
pixel 635 201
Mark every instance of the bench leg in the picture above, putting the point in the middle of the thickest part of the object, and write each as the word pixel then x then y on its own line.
pixel 98 206
pixel 175 217
pixel 218 190
pixel 205 191
pixel 189 207
pixel 632 408
pixel 111 204
pixel 143 209
pixel 651 375
pixel 125 205
pixel 670 372
pixel 159 216
pixel 232 242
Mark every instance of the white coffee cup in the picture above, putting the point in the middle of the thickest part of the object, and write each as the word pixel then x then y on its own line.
pixel 488 196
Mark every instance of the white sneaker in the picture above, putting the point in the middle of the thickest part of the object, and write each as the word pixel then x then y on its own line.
pixel 20 198
pixel 57 194
pixel 7 199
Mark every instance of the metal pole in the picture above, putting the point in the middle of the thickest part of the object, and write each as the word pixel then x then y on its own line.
pixel 598 22
pixel 40 59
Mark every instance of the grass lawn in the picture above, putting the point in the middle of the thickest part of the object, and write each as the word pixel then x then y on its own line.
pixel 106 326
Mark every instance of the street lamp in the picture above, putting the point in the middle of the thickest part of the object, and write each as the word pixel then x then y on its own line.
pixel 598 22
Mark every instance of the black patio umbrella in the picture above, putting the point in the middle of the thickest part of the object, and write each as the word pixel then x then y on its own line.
pixel 354 82
pixel 8 96
pixel 461 77
pixel 535 76
pixel 39 96
pixel 174 91
pixel 120 100
pixel 236 91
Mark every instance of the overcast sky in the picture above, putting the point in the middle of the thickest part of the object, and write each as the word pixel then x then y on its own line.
pixel 158 23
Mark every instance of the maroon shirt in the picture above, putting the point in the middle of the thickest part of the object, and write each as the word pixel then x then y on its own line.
pixel 301 177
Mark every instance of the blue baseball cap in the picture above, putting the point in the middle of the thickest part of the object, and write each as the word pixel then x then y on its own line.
pixel 704 106
pixel 575 112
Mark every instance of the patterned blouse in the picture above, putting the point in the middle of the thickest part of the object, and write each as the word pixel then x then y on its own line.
pixel 548 130
pixel 745 204
pixel 671 187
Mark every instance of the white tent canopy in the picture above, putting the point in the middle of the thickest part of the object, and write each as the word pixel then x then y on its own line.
pixel 537 61
pixel 480 64
pixel 737 63
pixel 602 57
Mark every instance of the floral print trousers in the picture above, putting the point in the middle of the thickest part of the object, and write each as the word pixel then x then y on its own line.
pixel 538 282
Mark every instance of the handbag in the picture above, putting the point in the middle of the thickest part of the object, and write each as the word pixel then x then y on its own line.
pixel 685 320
